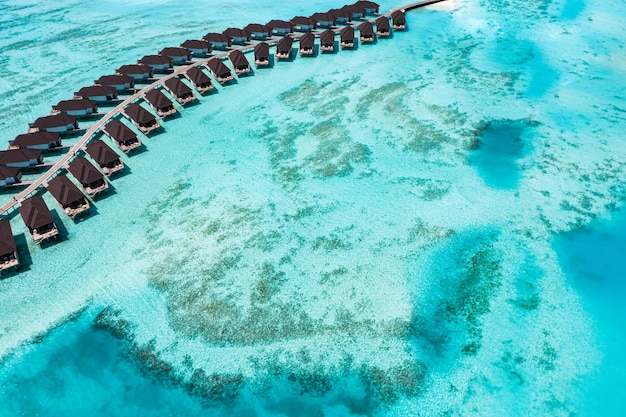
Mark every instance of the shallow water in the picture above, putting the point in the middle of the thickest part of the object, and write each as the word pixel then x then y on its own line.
pixel 402 229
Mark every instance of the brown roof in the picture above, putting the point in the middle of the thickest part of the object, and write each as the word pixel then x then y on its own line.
pixel 366 29
pixel 238 59
pixel 261 50
pixel 198 77
pixel 367 5
pixel 84 171
pixel 336 13
pixel 284 45
pixel 36 138
pixel 323 17
pixel 280 24
pixel 176 52
pixel 55 120
pixel 116 79
pixel 178 88
pixel 134 69
pixel 218 67
pixel 76 104
pixel 139 114
pixel 19 155
pixel 64 190
pixel 236 33
pixel 35 213
pixel 382 23
pixel 355 9
pixel 101 152
pixel 258 28
pixel 303 20
pixel 155 60
pixel 7 241
pixel 8 172
pixel 96 91
pixel 119 131
pixel 398 17
pixel 347 33
pixel 307 41
pixel 158 100
pixel 217 37
pixel 196 44
pixel 327 37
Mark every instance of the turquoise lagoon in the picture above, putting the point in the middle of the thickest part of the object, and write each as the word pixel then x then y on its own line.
pixel 431 225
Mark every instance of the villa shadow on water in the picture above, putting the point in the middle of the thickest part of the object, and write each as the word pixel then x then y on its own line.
pixel 499 146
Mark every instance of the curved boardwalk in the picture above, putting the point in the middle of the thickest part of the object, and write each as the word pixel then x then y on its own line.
pixel 80 144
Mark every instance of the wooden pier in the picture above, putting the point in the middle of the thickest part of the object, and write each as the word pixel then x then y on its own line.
pixel 77 147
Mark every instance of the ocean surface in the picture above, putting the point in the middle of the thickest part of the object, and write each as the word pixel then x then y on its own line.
pixel 432 225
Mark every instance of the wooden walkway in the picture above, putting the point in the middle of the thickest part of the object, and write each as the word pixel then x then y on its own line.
pixel 81 143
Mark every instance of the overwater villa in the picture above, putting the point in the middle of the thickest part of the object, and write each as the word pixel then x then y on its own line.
pixel 239 36
pixel 283 48
pixel 139 72
pixel 239 61
pixel 38 219
pixel 159 63
pixel 258 31
pixel 107 159
pixel 199 80
pixel 38 140
pixel 398 20
pixel 220 71
pixel 303 24
pixel 88 176
pixel 181 91
pixel 21 158
pixel 119 82
pixel 383 30
pixel 327 41
pixel 121 134
pixel 341 16
pixel 9 175
pixel 369 6
pixel 97 93
pixel 261 54
pixel 324 20
pixel 356 12
pixel 142 118
pixel 59 123
pixel 197 47
pixel 68 195
pixel 280 27
pixel 160 103
pixel 8 249
pixel 307 44
pixel 366 32
pixel 81 107
pixel 346 35
pixel 179 56
pixel 218 40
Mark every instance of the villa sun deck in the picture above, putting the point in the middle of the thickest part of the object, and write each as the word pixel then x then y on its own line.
pixel 68 195
pixel 38 219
